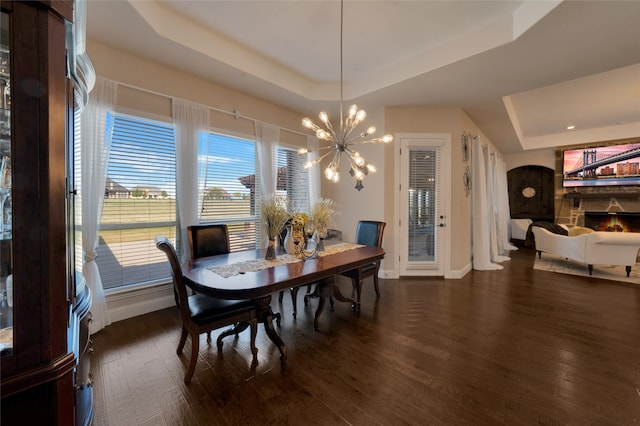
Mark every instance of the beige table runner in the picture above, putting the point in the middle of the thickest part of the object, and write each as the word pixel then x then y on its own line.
pixel 258 264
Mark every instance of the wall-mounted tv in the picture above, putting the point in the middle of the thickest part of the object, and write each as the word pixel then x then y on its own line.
pixel 602 166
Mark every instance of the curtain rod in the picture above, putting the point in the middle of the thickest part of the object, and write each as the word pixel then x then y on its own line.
pixel 234 113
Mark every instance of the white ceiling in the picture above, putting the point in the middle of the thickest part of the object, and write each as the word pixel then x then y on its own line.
pixel 522 70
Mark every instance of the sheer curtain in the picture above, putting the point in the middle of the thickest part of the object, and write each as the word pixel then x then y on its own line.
pixel 489 198
pixel 314 172
pixel 192 124
pixel 267 137
pixel 95 141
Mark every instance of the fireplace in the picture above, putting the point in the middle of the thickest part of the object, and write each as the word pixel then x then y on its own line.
pixel 612 221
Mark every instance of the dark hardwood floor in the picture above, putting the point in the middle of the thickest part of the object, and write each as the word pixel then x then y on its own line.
pixel 516 347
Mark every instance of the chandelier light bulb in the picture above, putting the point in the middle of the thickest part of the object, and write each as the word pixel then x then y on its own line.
pixel 303 151
pixel 306 122
pixel 324 117
pixel 371 168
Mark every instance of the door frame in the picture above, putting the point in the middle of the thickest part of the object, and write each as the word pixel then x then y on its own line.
pixel 445 187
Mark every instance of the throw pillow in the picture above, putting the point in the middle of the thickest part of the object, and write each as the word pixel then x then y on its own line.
pixel 579 230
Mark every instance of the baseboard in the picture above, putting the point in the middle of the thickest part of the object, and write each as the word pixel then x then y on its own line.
pixel 128 304
pixel 457 274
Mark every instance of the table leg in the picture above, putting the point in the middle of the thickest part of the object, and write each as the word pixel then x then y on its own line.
pixel 265 316
pixel 327 287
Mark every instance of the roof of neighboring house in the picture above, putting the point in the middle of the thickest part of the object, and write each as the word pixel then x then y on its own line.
pixel 113 186
pixel 250 180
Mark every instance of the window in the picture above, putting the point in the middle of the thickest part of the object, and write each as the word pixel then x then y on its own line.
pixel 229 184
pixel 293 180
pixel 139 201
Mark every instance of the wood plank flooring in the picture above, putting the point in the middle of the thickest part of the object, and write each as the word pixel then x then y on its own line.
pixel 514 347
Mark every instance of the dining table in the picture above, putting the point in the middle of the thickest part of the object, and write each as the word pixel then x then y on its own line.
pixel 247 275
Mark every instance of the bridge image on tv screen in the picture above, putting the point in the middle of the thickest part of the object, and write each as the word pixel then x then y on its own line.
pixel 602 166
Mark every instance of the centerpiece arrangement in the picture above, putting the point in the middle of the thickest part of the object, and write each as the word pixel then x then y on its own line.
pixel 274 218
pixel 322 214
pixel 295 241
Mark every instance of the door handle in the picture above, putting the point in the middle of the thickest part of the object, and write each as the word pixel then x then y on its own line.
pixel 442 225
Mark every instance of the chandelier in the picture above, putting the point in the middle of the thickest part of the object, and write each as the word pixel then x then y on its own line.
pixel 341 141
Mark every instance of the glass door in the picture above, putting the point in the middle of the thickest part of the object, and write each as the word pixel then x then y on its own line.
pixel 6 218
pixel 422 208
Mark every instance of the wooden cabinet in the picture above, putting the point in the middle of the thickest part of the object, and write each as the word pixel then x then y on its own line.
pixel 43 369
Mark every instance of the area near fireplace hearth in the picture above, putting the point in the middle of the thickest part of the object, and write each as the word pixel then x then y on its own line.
pixel 603 208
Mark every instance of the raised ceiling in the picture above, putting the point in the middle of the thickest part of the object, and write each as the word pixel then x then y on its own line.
pixel 522 70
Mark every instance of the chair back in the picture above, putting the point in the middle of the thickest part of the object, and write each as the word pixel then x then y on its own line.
pixel 370 233
pixel 179 287
pixel 208 240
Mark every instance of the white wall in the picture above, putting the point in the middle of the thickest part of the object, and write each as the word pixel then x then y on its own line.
pixel 539 157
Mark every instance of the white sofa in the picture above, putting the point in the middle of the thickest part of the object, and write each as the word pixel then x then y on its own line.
pixel 596 248
pixel 518 228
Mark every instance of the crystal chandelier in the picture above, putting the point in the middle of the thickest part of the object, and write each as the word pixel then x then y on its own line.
pixel 342 141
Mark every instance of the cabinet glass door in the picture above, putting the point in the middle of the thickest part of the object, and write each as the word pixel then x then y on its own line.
pixel 6 220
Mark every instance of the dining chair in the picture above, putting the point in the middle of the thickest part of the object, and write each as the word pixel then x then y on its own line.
pixel 202 314
pixel 369 233
pixel 212 240
pixel 208 240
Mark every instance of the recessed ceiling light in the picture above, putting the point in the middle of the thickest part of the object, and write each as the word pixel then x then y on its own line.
pixel 571 127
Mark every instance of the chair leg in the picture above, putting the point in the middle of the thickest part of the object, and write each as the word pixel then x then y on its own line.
pixel 628 269
pixel 358 286
pixel 209 337
pixel 195 347
pixel 280 296
pixel 294 300
pixel 375 285
pixel 254 330
pixel 183 340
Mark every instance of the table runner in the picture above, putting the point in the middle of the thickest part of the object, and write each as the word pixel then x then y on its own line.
pixel 258 264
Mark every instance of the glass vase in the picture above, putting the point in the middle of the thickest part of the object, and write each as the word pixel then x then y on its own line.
pixel 271 250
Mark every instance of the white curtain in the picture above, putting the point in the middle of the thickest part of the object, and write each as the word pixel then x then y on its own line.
pixel 503 213
pixel 314 172
pixel 192 124
pixel 95 143
pixel 489 192
pixel 267 137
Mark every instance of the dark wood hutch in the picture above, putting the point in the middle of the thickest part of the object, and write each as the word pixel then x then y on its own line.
pixel 44 311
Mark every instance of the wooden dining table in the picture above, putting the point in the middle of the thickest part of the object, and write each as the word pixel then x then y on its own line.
pixel 261 284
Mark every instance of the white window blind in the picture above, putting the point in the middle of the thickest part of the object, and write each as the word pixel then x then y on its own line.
pixel 230 185
pixel 424 169
pixel 139 203
pixel 293 180
pixel 77 186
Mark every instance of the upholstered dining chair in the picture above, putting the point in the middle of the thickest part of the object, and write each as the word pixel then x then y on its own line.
pixel 208 240
pixel 368 233
pixel 202 314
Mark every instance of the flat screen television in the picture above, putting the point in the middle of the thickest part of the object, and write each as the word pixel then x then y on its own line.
pixel 602 166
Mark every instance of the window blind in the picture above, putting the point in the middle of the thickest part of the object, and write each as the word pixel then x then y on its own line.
pixel 424 168
pixel 229 188
pixel 293 180
pixel 139 203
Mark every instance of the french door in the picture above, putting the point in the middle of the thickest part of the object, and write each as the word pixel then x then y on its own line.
pixel 423 204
